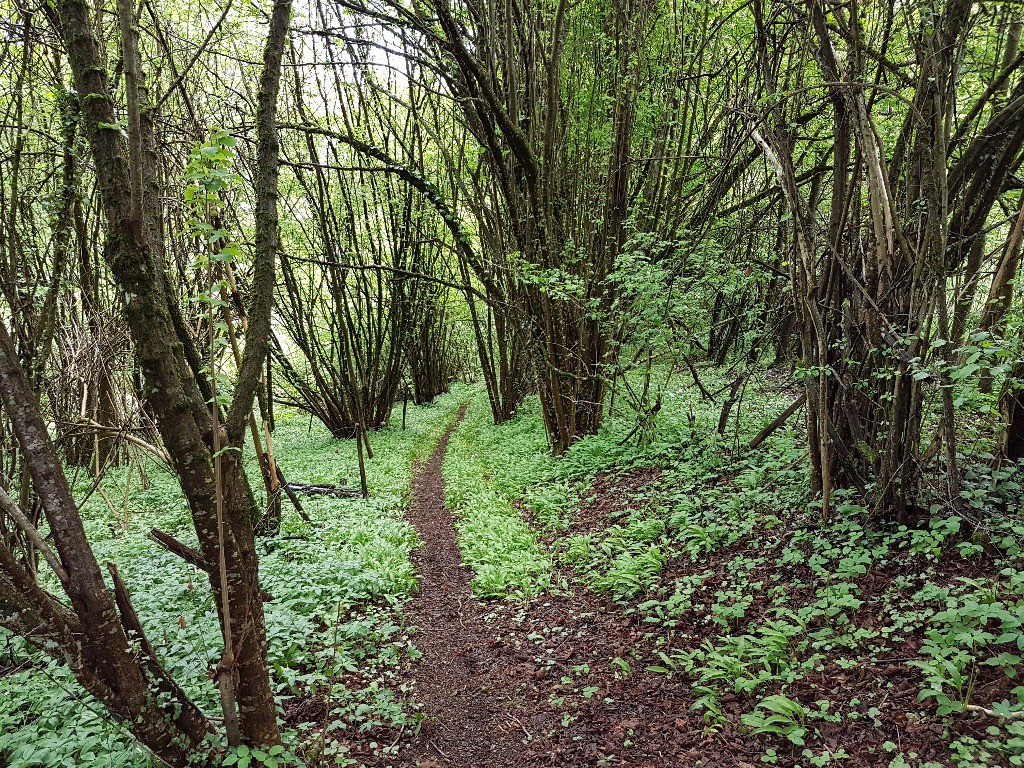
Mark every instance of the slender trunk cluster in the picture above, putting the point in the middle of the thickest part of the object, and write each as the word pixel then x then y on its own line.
pixel 553 208
pixel 99 636
pixel 870 287
pixel 364 294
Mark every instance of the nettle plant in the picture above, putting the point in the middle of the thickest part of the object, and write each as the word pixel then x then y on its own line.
pixel 210 178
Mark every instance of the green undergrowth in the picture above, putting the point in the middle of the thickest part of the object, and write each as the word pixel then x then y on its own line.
pixel 486 468
pixel 337 585
pixel 506 491
pixel 792 631
pixel 788 615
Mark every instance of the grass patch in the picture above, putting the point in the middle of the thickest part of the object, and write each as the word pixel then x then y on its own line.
pixel 486 468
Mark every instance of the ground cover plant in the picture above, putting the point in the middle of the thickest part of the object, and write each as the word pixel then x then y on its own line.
pixel 485 470
pixel 511 383
pixel 807 644
pixel 335 587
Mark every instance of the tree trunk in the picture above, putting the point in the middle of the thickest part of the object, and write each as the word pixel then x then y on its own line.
pixel 1011 404
pixel 90 636
pixel 183 419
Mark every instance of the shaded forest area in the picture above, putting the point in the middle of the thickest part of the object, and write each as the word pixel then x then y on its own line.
pixel 693 332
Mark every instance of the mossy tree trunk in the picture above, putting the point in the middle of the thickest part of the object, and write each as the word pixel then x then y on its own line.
pixel 171 383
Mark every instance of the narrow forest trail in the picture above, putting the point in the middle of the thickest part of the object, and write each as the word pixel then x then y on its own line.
pixel 572 679
pixel 525 684
pixel 467 723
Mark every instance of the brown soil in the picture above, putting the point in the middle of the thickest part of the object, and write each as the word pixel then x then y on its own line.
pixel 561 680
pixel 467 719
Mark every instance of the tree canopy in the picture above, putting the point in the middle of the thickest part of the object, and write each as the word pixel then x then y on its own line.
pixel 213 213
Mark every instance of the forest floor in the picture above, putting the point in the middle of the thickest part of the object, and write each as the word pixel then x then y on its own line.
pixel 774 668
pixel 488 674
pixel 671 602
pixel 550 682
pixel 555 681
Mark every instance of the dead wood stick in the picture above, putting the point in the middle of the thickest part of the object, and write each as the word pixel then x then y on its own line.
pixel 284 484
pixel 189 555
pixel 160 453
pixel 1012 715
pixel 183 551
pixel 187 712
pixel 110 504
pixel 734 388
pixel 129 618
pixel 697 381
pixel 778 421
pixel 313 489
pixel 8 505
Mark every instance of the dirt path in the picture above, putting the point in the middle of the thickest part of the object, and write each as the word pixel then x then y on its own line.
pixel 467 723
pixel 494 680
pixel 563 680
